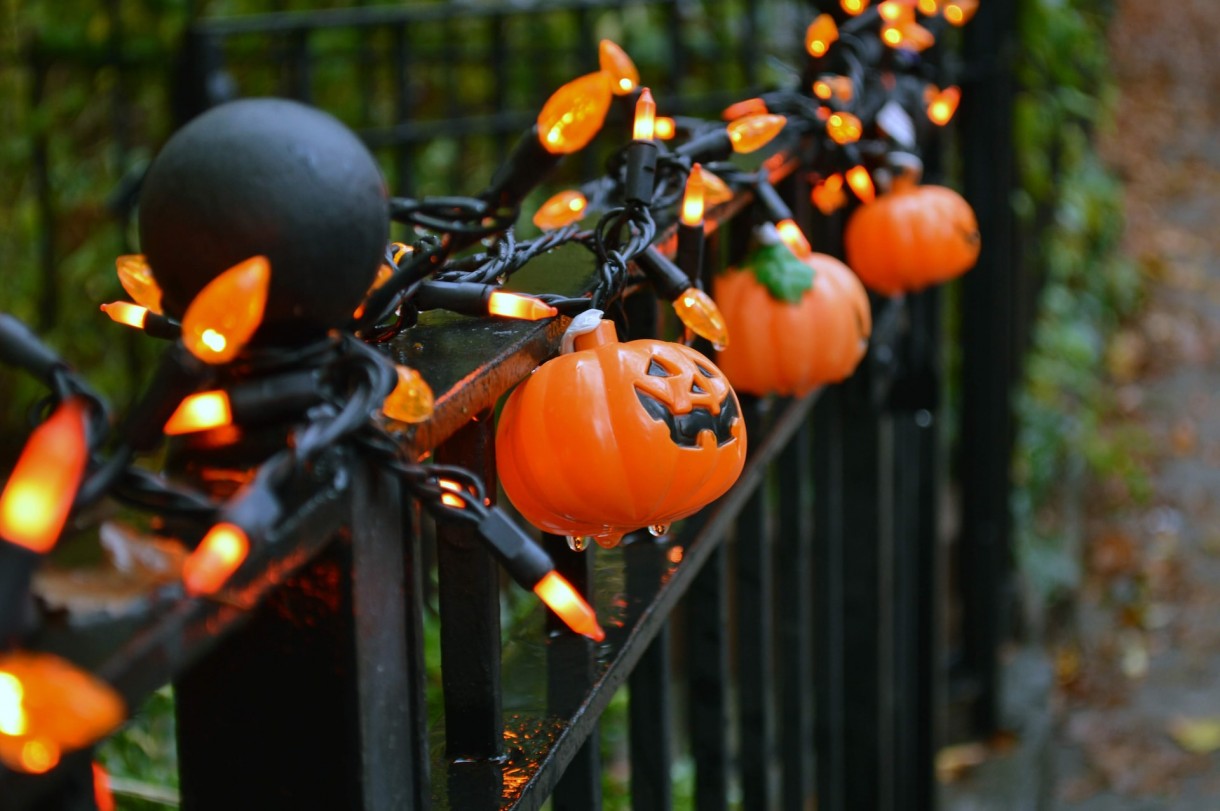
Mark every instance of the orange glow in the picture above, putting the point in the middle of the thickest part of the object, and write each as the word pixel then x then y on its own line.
pixel 574 113
pixel 614 61
pixel 959 12
pixel 137 279
pixel 226 313
pixel 450 485
pixel 891 35
pixel 692 198
pixel 853 7
pixel 741 109
pixel 943 104
pixel 794 238
pixel 754 132
pixel 822 89
pixel 124 312
pixel 715 190
pixel 701 316
pixel 844 128
pixel 674 554
pixel 861 183
pixel 38 756
pixel 35 502
pixel 916 37
pixel 384 274
pixel 820 35
pixel 645 117
pixel 567 603
pixel 517 305
pixel 218 555
pixel 59 708
pixel 665 128
pixel 452 500
pixel 400 250
pixel 411 400
pixel 199 412
pixel 893 11
pixel 561 209
pixel 828 195
pixel 101 789
pixel 929 7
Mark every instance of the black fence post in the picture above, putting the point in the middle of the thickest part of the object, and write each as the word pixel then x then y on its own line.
pixel 989 354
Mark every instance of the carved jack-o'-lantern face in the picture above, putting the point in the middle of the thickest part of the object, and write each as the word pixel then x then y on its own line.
pixel 688 400
pixel 618 436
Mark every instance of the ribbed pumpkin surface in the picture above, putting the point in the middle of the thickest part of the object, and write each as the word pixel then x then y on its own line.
pixel 787 349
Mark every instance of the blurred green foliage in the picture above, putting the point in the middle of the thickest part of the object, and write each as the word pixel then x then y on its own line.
pixel 1073 205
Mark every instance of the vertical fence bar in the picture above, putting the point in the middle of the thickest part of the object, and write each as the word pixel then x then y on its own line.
pixel 569 676
pixel 755 638
pixel 989 354
pixel 794 604
pixel 707 607
pixel 469 596
pixel 651 730
pixel 403 177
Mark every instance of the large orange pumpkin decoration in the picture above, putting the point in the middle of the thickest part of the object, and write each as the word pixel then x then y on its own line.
pixel 613 437
pixel 912 237
pixel 793 334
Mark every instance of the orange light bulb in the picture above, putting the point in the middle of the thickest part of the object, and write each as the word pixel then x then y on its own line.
pixel 200 412
pixel 218 555
pixel 893 11
pixel 861 183
pixel 844 128
pixel 35 502
pixel 943 104
pixel 820 35
pixel 828 195
pixel 929 7
pixel 791 235
pixel 566 602
pixel 754 132
pixel 124 312
pixel 853 7
pixel 137 279
pixel 574 113
pixel 959 12
pixel 741 109
pixel 225 314
pixel 519 306
pixel 697 311
pixel 62 708
pixel 891 35
pixel 561 209
pixel 614 61
pixel 692 198
pixel 715 190
pixel 645 117
pixel 665 128
pixel 411 400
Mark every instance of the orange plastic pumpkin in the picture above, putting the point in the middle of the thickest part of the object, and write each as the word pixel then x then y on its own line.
pixel 913 237
pixel 788 347
pixel 616 436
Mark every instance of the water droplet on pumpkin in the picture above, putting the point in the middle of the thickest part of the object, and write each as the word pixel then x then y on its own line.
pixel 578 543
pixel 657 530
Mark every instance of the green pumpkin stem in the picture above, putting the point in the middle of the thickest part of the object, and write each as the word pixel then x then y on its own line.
pixel 777 269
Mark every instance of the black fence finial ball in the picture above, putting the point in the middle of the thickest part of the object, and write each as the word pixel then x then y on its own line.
pixel 275 178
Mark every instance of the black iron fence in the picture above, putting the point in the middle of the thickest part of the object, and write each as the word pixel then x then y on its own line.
pixel 801 640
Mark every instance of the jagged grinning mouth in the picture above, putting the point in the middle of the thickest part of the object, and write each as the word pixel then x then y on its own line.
pixel 684 429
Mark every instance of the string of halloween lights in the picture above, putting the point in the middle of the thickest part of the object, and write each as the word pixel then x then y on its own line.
pixel 864 96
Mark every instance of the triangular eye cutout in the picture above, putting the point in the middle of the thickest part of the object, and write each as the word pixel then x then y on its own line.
pixel 695 388
pixel 657 370
pixel 705 372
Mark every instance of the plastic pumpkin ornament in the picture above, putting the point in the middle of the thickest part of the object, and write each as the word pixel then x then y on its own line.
pixel 614 436
pixel 796 323
pixel 912 237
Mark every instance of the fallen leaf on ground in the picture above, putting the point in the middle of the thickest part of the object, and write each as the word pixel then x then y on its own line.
pixel 1198 736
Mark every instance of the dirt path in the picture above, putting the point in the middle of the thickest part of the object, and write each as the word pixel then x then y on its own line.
pixel 1138 703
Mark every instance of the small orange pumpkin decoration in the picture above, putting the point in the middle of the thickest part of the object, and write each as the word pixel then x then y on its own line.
pixel 787 340
pixel 612 437
pixel 912 237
